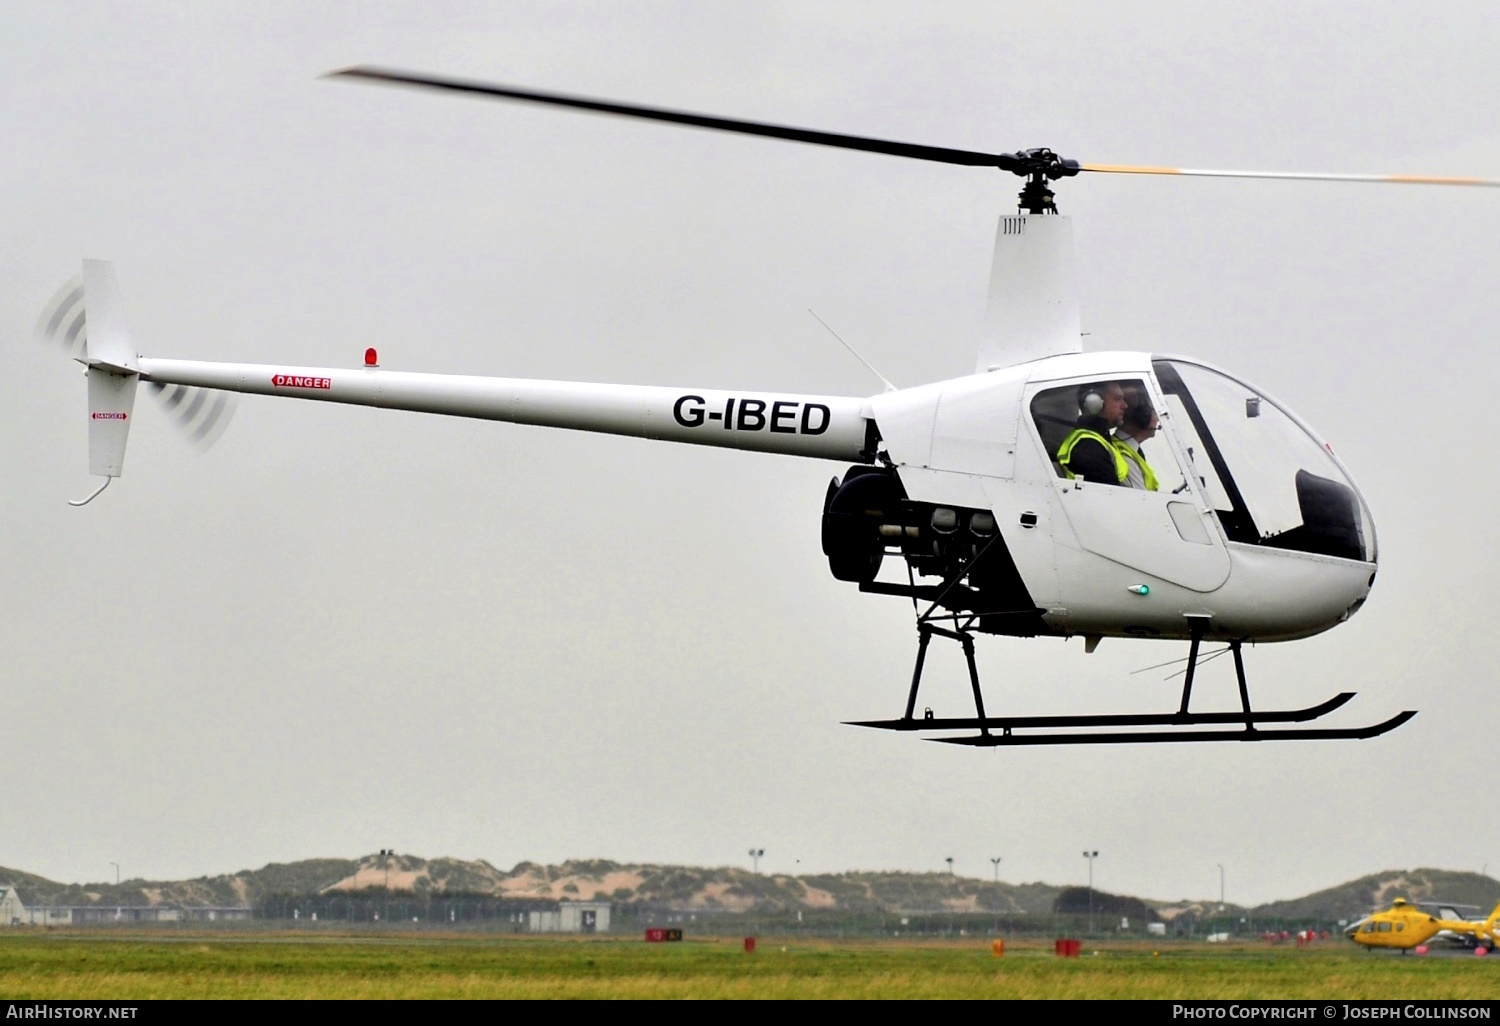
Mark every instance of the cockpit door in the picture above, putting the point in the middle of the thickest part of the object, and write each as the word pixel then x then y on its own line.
pixel 1167 533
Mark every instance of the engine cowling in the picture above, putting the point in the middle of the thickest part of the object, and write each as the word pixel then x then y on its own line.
pixel 853 513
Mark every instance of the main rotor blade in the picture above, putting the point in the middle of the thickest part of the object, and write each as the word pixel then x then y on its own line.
pixel 1028 163
pixel 1309 176
pixel 941 154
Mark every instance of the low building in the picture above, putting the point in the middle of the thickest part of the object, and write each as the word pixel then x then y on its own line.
pixel 219 913
pixel 100 915
pixel 12 912
pixel 571 917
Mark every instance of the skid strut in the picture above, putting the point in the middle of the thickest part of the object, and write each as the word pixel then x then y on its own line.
pixel 925 632
pixel 1180 726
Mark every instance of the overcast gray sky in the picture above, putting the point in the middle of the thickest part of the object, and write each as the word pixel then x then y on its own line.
pixel 344 629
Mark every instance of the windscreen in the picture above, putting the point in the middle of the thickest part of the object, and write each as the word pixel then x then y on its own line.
pixel 1270 482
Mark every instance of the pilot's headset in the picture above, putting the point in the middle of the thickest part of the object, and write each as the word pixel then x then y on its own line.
pixel 1140 411
pixel 1091 400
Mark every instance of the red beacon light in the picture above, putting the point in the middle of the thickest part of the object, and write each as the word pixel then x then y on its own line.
pixel 371 358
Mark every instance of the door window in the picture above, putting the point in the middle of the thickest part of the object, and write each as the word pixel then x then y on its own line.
pixel 1115 409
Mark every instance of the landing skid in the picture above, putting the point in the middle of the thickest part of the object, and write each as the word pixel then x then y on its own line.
pixel 998 731
pixel 1180 736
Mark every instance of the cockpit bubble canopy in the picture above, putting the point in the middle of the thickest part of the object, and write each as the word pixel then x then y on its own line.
pixel 1265 475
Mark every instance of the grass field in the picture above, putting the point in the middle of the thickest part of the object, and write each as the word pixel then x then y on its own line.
pixel 108 964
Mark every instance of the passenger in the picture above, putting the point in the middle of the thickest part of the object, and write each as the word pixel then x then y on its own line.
pixel 1088 452
pixel 1139 426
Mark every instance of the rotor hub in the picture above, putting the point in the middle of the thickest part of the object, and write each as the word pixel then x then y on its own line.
pixel 1038 166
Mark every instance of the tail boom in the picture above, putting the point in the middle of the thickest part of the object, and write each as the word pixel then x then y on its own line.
pixel 824 427
pixel 1489 924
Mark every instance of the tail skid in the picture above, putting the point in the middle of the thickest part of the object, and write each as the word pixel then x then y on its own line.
pixel 92 495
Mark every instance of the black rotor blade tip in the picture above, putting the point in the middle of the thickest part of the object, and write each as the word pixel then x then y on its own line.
pixel 915 151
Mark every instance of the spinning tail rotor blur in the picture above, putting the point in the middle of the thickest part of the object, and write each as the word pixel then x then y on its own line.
pixel 200 415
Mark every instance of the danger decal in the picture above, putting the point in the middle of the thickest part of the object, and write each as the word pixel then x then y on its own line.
pixel 299 381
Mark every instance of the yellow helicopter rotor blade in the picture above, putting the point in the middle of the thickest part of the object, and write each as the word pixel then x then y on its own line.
pixel 1311 176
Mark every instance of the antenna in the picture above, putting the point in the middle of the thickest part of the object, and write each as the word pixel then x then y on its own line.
pixel 888 386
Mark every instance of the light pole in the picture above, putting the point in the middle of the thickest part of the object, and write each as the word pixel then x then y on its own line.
pixel 755 854
pixel 1221 885
pixel 1091 856
pixel 117 873
pixel 996 863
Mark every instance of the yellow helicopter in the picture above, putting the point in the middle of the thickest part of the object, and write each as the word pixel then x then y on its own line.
pixel 1406 925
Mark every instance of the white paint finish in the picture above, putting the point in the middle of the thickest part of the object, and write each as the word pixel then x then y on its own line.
pixel 972 424
pixel 974 431
pixel 1090 542
pixel 1276 595
pixel 957 442
pixel 943 487
pixel 108 337
pixel 1034 549
pixel 1033 300
pixel 643 411
pixel 906 420
pixel 1134 527
pixel 111 408
pixel 1128 527
pixel 1270 595
pixel 1093 598
pixel 964 425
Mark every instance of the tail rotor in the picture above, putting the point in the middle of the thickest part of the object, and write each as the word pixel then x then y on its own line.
pixel 91 300
pixel 199 414
pixel 64 320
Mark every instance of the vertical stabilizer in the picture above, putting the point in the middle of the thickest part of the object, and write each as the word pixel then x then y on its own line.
pixel 111 405
pixel 1033 302
pixel 108 337
pixel 113 370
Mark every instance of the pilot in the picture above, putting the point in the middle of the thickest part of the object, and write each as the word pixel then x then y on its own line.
pixel 1088 452
pixel 1138 426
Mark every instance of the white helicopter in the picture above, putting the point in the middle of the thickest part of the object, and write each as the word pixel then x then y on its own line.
pixel 1249 528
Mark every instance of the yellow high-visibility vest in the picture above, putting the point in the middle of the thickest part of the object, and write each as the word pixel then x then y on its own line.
pixel 1132 453
pixel 1065 452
